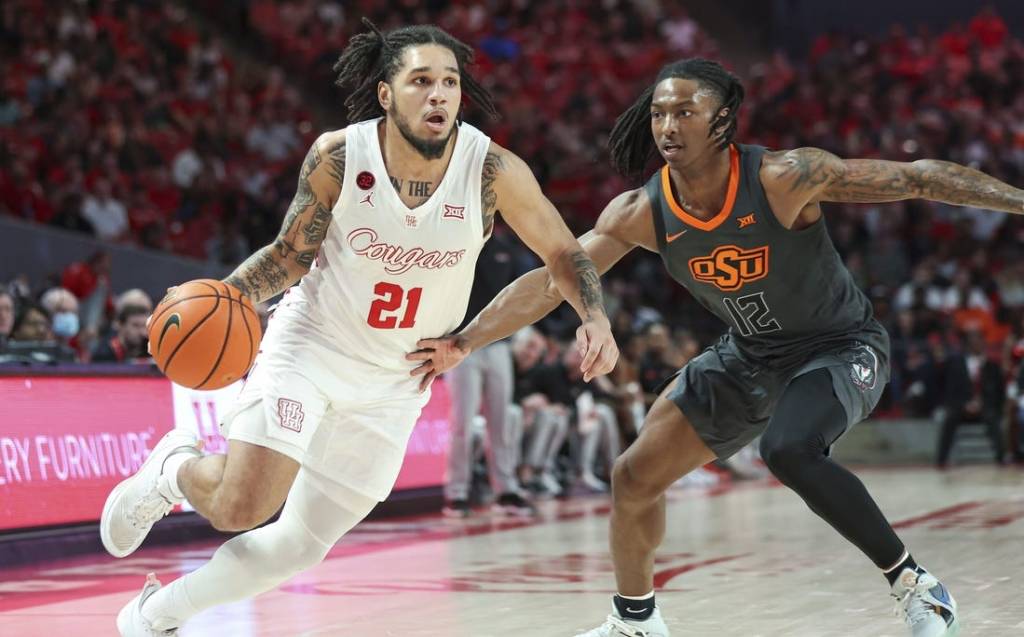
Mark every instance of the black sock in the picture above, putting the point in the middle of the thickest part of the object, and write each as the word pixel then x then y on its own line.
pixel 894 574
pixel 638 609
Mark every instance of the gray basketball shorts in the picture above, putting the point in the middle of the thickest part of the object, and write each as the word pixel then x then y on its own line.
pixel 729 399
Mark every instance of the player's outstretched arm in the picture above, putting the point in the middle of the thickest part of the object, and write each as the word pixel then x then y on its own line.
pixel 624 224
pixel 821 176
pixel 276 267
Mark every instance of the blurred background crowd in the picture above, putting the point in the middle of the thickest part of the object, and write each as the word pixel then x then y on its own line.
pixel 179 127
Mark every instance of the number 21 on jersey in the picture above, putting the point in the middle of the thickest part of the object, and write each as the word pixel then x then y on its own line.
pixel 385 309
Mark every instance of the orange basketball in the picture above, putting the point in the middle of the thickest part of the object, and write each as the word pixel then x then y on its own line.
pixel 204 334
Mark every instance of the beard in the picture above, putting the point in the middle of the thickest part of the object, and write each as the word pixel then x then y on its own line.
pixel 427 148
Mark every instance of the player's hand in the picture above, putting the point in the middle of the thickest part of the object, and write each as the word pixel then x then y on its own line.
pixel 597 345
pixel 438 356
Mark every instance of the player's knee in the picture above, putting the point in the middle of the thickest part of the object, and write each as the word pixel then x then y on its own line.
pixel 630 487
pixel 238 512
pixel 784 457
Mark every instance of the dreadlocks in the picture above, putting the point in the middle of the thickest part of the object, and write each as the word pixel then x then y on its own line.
pixel 376 57
pixel 631 143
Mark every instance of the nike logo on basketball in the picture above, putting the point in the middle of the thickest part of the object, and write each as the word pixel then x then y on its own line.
pixel 669 238
pixel 173 319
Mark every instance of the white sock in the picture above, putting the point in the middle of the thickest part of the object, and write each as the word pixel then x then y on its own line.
pixel 261 559
pixel 641 598
pixel 169 473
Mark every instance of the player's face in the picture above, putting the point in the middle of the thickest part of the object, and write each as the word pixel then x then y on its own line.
pixel 424 98
pixel 681 115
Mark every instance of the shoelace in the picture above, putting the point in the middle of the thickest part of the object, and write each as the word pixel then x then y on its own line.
pixel 150 509
pixel 622 628
pixel 911 607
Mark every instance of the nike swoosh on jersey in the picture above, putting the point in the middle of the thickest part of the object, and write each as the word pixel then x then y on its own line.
pixel 672 237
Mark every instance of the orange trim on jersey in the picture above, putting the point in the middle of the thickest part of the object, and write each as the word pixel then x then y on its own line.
pixel 730 196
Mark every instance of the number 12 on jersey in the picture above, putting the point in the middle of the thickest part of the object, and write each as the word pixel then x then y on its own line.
pixel 385 308
pixel 751 314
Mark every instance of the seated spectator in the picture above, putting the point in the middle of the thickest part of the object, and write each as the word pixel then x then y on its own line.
pixel 134 296
pixel 63 307
pixel 105 213
pixel 597 425
pixel 129 345
pixel 543 426
pixel 32 339
pixel 6 316
pixel 658 362
pixel 89 281
pixel 973 391
pixel 920 291
pixel 32 324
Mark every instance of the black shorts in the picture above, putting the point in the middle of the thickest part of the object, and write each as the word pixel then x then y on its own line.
pixel 729 399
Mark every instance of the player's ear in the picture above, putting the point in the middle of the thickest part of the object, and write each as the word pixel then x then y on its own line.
pixel 384 95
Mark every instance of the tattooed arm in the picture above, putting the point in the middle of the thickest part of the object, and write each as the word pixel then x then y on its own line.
pixel 509 186
pixel 275 267
pixel 811 175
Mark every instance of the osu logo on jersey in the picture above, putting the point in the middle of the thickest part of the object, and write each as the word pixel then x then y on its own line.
pixel 729 268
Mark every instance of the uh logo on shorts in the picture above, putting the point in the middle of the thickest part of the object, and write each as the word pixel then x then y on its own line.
pixel 731 267
pixel 290 414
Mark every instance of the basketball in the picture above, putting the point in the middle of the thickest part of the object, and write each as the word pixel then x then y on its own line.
pixel 204 334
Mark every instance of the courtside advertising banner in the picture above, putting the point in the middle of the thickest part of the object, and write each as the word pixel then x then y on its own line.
pixel 65 442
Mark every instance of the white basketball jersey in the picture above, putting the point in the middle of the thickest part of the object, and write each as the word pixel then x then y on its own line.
pixel 387 276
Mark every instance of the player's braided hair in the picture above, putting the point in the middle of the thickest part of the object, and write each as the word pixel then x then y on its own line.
pixel 375 57
pixel 631 143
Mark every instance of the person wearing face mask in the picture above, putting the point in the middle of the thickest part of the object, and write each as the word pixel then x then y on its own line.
pixel 129 344
pixel 63 308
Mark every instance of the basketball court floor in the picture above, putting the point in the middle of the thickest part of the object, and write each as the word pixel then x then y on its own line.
pixel 746 560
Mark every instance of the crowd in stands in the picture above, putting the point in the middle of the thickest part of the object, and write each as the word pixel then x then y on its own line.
pixel 125 120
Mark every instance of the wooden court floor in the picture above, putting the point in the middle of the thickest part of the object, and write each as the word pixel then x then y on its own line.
pixel 746 560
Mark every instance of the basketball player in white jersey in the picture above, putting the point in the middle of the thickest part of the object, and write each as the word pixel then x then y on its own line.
pixel 384 230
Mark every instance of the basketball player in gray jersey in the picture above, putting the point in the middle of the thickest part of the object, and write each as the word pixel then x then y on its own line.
pixel 803 359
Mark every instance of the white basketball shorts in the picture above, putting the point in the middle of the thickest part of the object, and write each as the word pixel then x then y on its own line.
pixel 337 416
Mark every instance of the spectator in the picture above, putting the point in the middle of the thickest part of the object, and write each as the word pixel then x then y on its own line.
pixel 105 213
pixel 89 281
pixel 545 425
pixel 973 391
pixel 596 422
pixel 129 345
pixel 32 324
pixel 485 380
pixel 134 296
pixel 63 308
pixel 6 316
pixel 658 361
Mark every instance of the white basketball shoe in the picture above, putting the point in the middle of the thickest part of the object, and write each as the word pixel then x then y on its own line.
pixel 131 623
pixel 139 501
pixel 925 604
pixel 615 626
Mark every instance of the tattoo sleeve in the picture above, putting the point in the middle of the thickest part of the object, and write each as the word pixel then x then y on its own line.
pixel 493 164
pixel 277 266
pixel 875 181
pixel 589 282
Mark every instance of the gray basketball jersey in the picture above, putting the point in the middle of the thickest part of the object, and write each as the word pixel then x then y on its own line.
pixel 785 294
